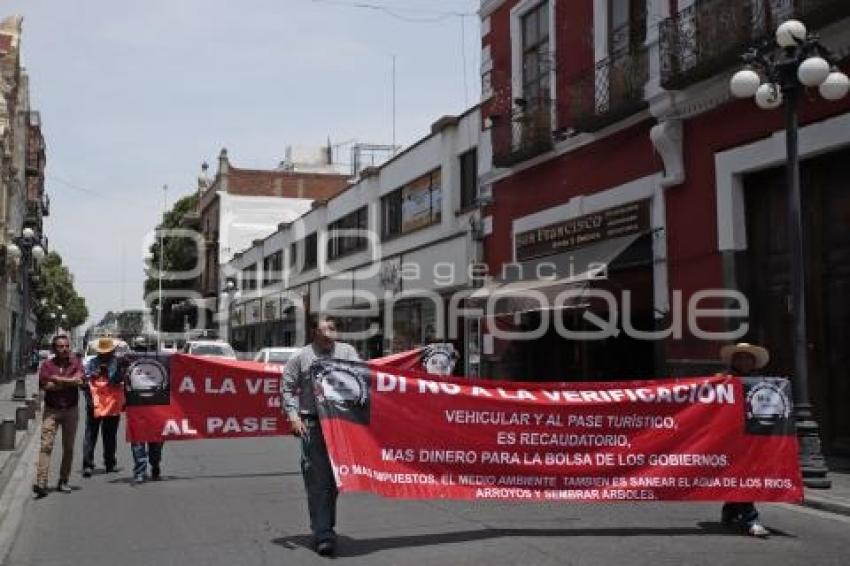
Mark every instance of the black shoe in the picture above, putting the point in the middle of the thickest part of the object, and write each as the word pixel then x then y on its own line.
pixel 87 472
pixel 326 547
pixel 156 473
pixel 63 487
pixel 39 491
pixel 112 469
pixel 730 515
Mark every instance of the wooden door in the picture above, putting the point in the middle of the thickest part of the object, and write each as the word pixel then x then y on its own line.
pixel 826 210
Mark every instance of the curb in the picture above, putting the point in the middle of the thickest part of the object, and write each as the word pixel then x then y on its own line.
pixel 8 469
pixel 15 490
pixel 839 506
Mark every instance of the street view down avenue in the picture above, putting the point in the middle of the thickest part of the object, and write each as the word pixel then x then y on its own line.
pixel 402 282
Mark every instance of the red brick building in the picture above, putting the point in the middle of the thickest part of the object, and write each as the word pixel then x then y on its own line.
pixel 238 206
pixel 590 106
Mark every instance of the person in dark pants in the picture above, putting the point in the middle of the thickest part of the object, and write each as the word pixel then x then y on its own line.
pixel 299 403
pixel 145 453
pixel 742 360
pixel 104 365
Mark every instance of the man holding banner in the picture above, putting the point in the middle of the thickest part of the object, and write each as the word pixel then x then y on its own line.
pixel 743 359
pixel 299 402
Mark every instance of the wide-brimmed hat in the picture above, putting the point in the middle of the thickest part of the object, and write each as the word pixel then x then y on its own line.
pixel 105 345
pixel 760 354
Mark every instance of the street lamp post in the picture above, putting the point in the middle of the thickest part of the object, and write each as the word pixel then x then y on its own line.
pixel 231 290
pixel 25 249
pixel 161 254
pixel 790 63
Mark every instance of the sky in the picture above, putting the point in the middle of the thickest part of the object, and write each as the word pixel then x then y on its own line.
pixel 136 95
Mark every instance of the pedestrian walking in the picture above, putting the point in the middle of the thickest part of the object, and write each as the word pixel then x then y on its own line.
pixel 299 403
pixel 104 393
pixel 144 454
pixel 743 360
pixel 60 378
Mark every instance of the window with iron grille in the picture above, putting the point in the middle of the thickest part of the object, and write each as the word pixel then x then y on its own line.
pixel 347 235
pixel 273 268
pixel 626 28
pixel 536 55
pixel 468 178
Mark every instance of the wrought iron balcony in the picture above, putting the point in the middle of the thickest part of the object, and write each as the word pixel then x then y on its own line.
pixel 707 37
pixel 611 91
pixel 526 133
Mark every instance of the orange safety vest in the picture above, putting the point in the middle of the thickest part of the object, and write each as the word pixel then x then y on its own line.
pixel 108 399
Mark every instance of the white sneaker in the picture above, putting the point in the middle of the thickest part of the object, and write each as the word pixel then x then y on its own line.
pixel 758 530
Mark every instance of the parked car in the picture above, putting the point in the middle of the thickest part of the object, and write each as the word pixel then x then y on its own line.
pixel 169 347
pixel 275 355
pixel 210 348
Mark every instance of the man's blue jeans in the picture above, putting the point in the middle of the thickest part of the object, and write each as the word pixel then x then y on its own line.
pixel 319 482
pixel 144 454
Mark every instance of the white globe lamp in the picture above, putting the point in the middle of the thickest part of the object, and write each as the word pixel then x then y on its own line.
pixel 744 83
pixel 790 33
pixel 14 251
pixel 813 71
pixel 38 253
pixel 835 86
pixel 768 96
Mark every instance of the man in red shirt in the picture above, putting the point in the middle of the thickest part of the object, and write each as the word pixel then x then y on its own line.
pixel 60 377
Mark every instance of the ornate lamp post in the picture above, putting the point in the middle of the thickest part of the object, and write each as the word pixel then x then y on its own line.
pixel 789 64
pixel 25 250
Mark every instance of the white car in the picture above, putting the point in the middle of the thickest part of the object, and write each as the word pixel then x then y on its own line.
pixel 210 348
pixel 275 355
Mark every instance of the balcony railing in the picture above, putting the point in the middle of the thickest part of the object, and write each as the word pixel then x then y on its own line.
pixel 709 36
pixel 612 90
pixel 526 133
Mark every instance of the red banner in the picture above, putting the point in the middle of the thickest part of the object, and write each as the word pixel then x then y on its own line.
pixel 198 398
pixel 404 434
pixel 187 397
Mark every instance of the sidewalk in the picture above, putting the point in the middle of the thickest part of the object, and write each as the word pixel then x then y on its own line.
pixel 9 458
pixel 837 498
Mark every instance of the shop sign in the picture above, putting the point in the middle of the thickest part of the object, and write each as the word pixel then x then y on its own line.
pixel 253 312
pixel 416 204
pixel 566 235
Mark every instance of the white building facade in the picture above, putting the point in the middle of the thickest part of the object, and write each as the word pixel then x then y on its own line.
pixel 392 257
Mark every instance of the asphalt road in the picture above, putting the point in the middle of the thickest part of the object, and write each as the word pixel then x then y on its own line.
pixel 242 502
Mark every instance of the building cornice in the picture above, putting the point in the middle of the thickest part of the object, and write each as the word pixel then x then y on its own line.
pixel 488 7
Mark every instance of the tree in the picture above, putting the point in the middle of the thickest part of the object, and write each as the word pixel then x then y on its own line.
pixel 56 296
pixel 179 254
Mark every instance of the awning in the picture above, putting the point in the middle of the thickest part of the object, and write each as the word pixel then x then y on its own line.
pixel 552 282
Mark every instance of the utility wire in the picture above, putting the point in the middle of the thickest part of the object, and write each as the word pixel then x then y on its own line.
pixel 76 187
pixel 438 15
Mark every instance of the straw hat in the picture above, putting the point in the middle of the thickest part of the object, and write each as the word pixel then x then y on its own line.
pixel 760 354
pixel 105 345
